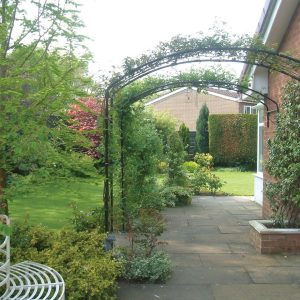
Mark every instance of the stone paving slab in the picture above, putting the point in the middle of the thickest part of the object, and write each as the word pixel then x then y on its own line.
pixel 274 275
pixel 186 259
pixel 209 275
pixel 208 243
pixel 256 292
pixel 233 259
pixel 165 292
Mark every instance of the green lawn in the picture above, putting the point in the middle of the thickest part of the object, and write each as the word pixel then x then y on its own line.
pixel 49 204
pixel 237 183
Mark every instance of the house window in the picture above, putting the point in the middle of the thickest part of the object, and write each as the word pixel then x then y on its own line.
pixel 260 139
pixel 249 110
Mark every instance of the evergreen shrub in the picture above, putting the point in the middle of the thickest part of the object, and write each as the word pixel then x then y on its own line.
pixel 232 139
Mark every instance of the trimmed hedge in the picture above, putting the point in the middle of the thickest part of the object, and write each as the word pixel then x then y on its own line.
pixel 232 139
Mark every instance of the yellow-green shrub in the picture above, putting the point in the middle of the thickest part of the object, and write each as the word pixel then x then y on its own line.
pixel 190 166
pixel 89 271
pixel 204 160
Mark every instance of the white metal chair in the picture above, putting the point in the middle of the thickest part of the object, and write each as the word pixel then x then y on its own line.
pixel 27 280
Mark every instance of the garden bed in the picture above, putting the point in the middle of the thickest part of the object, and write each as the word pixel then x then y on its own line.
pixel 269 240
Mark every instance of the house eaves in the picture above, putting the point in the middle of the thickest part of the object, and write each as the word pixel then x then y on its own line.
pixel 215 93
pixel 273 24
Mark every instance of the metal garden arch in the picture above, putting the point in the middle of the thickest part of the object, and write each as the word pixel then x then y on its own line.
pixel 270 59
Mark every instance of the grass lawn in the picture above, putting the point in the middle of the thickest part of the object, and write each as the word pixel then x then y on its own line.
pixel 237 183
pixel 49 204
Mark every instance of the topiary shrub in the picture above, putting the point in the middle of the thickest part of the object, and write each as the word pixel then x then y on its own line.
pixel 202 136
pixel 184 134
pixel 232 139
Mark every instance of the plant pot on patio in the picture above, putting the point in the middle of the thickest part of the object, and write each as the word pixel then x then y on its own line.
pixel 269 240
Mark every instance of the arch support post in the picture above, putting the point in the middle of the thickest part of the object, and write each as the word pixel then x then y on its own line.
pixel 106 190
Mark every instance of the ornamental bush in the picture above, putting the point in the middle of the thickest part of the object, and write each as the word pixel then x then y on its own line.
pixel 156 268
pixel 89 271
pixel 205 181
pixel 176 196
pixel 142 261
pixel 93 219
pixel 284 161
pixel 202 136
pixel 204 160
pixel 232 139
pixel 190 166
pixel 184 134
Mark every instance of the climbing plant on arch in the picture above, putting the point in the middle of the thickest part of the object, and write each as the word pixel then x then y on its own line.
pixel 218 47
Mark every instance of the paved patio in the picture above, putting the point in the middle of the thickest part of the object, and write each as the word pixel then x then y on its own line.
pixel 209 245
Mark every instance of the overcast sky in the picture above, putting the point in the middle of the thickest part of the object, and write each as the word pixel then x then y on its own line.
pixel 120 28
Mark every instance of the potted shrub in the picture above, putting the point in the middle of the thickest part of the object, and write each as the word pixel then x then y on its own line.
pixel 281 234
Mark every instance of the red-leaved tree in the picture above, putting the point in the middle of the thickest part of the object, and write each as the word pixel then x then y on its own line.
pixel 84 118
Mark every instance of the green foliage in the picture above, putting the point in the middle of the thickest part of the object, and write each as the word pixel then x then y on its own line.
pixel 176 196
pixel 38 81
pixel 175 157
pixel 162 167
pixel 142 261
pixel 156 268
pixel 284 160
pixel 190 166
pixel 232 139
pixel 202 138
pixel 200 78
pixel 144 230
pixel 204 160
pixel 204 180
pixel 83 221
pixel 184 134
pixel 89 271
pixel 142 151
pixel 165 125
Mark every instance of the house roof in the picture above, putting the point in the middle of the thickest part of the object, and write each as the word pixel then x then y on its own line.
pixel 222 93
pixel 226 93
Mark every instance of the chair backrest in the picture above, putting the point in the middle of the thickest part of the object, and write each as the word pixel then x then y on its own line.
pixel 4 253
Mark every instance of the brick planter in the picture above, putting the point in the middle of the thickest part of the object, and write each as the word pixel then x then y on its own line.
pixel 274 240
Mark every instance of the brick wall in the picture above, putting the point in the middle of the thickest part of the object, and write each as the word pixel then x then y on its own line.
pixel 290 44
pixel 269 243
pixel 185 106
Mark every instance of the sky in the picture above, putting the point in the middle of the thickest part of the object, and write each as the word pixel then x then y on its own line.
pixel 121 28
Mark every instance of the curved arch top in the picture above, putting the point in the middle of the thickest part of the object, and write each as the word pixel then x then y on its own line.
pixel 269 59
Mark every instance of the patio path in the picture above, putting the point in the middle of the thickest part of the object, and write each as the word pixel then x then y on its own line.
pixel 208 243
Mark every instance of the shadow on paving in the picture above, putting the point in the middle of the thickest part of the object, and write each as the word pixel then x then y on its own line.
pixel 208 243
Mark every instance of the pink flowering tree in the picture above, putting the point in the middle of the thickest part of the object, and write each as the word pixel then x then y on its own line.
pixel 84 118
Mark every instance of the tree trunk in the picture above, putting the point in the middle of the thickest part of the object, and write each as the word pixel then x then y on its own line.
pixel 3 201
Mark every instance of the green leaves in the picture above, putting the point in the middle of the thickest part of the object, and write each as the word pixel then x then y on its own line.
pixel 284 158
pixel 5 230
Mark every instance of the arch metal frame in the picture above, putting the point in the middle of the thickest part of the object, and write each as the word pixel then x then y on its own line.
pixel 272 60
